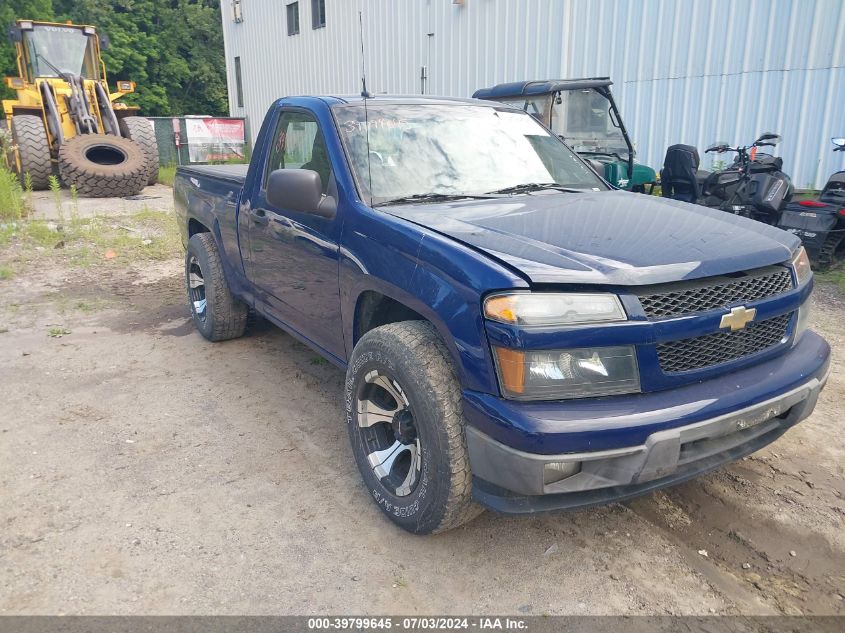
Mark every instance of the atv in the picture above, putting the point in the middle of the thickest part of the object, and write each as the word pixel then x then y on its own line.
pixel 584 114
pixel 820 222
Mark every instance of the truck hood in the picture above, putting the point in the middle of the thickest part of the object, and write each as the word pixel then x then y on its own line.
pixel 609 237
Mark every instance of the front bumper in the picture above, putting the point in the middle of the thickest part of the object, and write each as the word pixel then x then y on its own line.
pixel 672 443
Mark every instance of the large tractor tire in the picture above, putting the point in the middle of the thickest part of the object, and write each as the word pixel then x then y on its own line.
pixel 30 137
pixel 103 166
pixel 138 129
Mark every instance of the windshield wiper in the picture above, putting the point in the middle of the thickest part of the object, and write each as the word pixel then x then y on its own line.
pixel 48 62
pixel 432 197
pixel 536 186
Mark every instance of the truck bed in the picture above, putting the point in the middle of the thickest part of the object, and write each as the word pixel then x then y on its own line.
pixel 235 174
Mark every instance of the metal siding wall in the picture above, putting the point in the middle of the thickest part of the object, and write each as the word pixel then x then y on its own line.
pixel 697 71
pixel 680 67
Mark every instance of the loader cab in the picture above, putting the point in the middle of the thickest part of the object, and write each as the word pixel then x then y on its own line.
pixel 47 50
pixel 584 114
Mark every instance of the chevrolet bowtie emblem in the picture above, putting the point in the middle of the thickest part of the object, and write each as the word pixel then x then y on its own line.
pixel 738 318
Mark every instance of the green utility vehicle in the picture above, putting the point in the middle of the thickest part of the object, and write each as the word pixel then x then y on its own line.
pixel 583 113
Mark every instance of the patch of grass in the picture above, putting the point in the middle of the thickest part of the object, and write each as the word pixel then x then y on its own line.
pixel 41 233
pixel 835 277
pixel 57 332
pixel 143 236
pixel 7 231
pixel 318 360
pixel 167 174
pixel 12 203
pixel 65 304
pixel 89 306
pixel 6 273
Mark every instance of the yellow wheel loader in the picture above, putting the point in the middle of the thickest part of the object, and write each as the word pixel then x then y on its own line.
pixel 65 121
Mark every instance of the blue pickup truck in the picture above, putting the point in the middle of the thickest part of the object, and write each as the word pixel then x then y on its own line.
pixel 516 334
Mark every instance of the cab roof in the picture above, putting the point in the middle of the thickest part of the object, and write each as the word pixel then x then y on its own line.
pixel 398 99
pixel 541 87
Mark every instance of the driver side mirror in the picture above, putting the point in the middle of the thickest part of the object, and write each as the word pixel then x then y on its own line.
pixel 15 34
pixel 299 190
pixel 105 42
pixel 769 139
pixel 839 141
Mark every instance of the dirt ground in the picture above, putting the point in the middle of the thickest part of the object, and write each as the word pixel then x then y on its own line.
pixel 146 471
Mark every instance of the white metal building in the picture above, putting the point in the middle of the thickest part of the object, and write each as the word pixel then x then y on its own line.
pixel 691 71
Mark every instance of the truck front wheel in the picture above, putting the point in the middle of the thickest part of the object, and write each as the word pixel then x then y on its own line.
pixel 404 413
pixel 216 313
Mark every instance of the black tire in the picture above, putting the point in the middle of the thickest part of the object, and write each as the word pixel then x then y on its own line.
pixel 139 129
pixel 427 427
pixel 103 166
pixel 30 137
pixel 216 313
pixel 830 253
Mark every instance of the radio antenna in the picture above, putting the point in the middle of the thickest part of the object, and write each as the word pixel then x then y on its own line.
pixel 365 95
pixel 364 92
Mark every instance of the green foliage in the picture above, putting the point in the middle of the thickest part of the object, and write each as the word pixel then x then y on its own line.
pixel 835 277
pixel 167 174
pixel 12 205
pixel 172 49
pixel 11 10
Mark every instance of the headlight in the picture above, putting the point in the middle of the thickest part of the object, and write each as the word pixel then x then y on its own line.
pixel 550 308
pixel 568 373
pixel 801 265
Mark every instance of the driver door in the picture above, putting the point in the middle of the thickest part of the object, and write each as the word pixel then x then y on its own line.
pixel 295 255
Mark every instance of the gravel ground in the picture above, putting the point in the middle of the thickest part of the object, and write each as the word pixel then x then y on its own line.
pixel 47 206
pixel 146 471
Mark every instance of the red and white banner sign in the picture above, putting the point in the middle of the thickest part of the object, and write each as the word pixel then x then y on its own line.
pixel 214 139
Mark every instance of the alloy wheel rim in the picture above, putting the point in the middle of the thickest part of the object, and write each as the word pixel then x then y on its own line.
pixel 386 424
pixel 196 289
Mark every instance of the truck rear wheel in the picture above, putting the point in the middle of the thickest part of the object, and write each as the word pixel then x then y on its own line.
pixel 102 166
pixel 405 421
pixel 139 129
pixel 216 313
pixel 30 137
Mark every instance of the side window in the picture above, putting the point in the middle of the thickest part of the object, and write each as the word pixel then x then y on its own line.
pixel 535 106
pixel 298 144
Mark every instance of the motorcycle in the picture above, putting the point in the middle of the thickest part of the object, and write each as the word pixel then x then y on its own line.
pixel 820 222
pixel 753 185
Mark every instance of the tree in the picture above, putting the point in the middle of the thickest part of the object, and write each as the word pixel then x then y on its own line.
pixel 162 45
pixel 10 10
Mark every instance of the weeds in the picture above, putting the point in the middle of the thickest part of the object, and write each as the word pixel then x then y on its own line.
pixel 56 192
pixel 167 174
pixel 6 273
pixel 147 235
pixel 12 205
pixel 835 277
pixel 57 332
pixel 74 204
pixel 89 306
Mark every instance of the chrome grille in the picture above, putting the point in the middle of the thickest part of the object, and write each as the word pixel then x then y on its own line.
pixel 721 347
pixel 678 299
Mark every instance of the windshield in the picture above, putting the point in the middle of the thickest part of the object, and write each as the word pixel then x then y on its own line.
pixel 583 119
pixel 53 49
pixel 453 150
